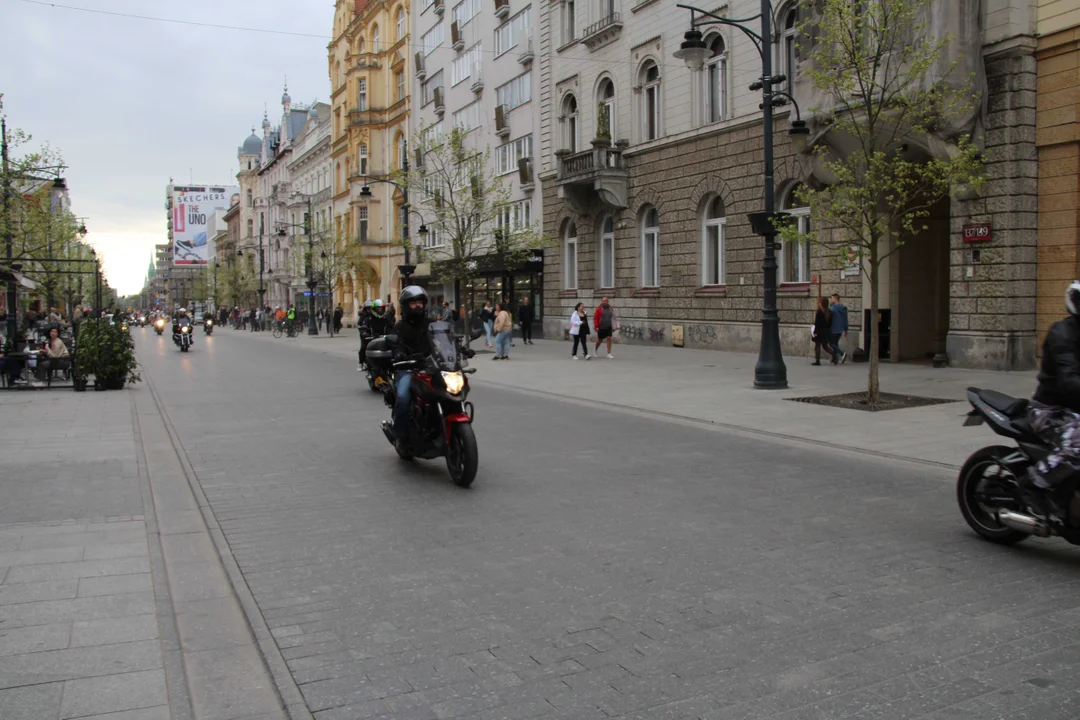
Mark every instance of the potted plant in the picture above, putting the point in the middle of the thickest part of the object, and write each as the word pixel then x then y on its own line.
pixel 107 352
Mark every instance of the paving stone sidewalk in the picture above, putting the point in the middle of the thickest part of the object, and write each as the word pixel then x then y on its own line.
pixel 79 636
pixel 717 388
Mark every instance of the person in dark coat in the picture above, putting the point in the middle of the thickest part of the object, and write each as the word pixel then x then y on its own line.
pixel 338 314
pixel 525 321
pixel 822 331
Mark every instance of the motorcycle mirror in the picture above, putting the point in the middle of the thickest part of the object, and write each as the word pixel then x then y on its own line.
pixel 476 334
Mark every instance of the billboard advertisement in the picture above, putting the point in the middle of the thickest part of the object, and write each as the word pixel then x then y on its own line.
pixel 192 207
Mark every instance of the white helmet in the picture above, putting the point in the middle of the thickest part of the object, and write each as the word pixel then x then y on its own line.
pixel 182 311
pixel 1072 298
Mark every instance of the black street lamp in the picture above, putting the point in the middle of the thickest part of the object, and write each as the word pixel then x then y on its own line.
pixel 770 373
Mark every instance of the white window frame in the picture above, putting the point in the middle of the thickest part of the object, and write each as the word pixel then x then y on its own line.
pixel 719 225
pixel 462 66
pixel 402 151
pixel 650 89
pixel 607 254
pixel 361 95
pixel 650 235
pixel 715 67
pixel 362 224
pixel 465 11
pixel 570 123
pixel 610 103
pixel 468 117
pixel 427 88
pixel 569 21
pixel 507 156
pixel 516 92
pixel 788 38
pixel 400 85
pixel 375 39
pixel 433 38
pixel 399 23
pixel 509 34
pixel 801 217
pixel 363 159
pixel 570 257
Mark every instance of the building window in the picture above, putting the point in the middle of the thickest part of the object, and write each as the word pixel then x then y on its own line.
pixel 363 159
pixel 362 224
pixel 250 199
pixel 402 151
pixel 375 40
pixel 466 11
pixel 400 77
pixel 571 256
pixel 795 255
pixel 361 95
pixel 650 248
pixel 516 92
pixel 433 38
pixel 507 156
pixel 251 228
pixel 607 253
pixel 363 48
pixel 462 66
pixel 787 49
pixel 569 24
pixel 650 101
pixel 468 117
pixel 606 99
pixel 716 81
pixel 713 243
pixel 570 123
pixel 399 21
pixel 511 32
pixel 427 90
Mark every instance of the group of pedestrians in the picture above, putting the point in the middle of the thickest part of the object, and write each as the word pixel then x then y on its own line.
pixel 499 326
pixel 603 321
pixel 830 324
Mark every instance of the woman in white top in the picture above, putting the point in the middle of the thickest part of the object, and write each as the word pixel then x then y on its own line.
pixel 579 328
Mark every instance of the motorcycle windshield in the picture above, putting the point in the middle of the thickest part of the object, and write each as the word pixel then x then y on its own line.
pixel 443 347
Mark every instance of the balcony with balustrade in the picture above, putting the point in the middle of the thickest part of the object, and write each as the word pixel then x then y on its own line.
pixel 594 175
pixel 603 31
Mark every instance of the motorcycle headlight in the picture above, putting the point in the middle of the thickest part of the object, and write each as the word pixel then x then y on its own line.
pixel 455 382
pixel 185 329
pixel 209 323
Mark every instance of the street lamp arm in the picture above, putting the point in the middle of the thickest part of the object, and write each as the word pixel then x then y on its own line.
pixel 714 19
pixel 781 93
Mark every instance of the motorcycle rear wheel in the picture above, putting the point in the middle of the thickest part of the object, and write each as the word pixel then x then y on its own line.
pixel 980 474
pixel 462 458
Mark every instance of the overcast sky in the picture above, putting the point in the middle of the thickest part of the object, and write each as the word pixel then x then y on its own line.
pixel 131 103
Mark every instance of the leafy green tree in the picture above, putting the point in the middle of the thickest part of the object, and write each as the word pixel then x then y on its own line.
pixel 871 61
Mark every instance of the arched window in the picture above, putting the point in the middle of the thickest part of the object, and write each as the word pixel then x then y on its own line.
pixel 570 253
pixel 650 248
pixel 605 98
pixel 607 253
pixel 795 256
pixel 787 47
pixel 650 101
pixel 399 22
pixel 570 123
pixel 715 77
pixel 363 48
pixel 713 245
pixel 375 39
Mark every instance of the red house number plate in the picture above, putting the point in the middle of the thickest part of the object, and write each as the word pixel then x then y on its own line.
pixel 977 232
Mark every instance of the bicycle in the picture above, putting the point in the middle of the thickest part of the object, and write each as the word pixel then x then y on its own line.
pixel 277 329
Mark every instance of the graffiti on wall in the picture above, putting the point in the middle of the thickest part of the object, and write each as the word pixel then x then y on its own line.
pixel 701 334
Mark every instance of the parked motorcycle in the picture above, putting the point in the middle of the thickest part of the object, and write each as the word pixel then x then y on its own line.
pixel 988 490
pixel 440 417
pixel 208 326
pixel 159 326
pixel 183 338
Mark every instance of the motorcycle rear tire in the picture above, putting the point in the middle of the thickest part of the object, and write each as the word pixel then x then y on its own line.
pixel 978 520
pixel 462 457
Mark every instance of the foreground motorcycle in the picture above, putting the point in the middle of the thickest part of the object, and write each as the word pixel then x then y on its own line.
pixel 987 489
pixel 159 325
pixel 440 418
pixel 183 338
pixel 208 326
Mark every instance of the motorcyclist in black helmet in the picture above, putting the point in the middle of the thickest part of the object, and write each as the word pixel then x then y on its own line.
pixel 412 334
pixel 1054 410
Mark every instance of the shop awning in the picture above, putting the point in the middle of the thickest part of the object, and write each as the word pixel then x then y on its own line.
pixel 7 275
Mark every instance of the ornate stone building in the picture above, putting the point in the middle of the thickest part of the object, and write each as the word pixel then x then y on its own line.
pixel 370 81
pixel 310 172
pixel 649 171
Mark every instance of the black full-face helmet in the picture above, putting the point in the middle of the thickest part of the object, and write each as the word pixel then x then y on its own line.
pixel 1072 298
pixel 409 294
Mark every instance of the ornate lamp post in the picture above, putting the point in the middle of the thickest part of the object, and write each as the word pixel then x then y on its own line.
pixel 770 373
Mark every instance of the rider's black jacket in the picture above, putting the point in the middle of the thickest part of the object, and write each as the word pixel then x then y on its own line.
pixel 412 337
pixel 1059 374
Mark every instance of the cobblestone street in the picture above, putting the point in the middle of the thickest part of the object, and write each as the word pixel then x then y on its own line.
pixel 604 564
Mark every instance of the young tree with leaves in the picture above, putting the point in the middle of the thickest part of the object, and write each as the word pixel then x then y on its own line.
pixel 468 209
pixel 869 63
pixel 328 259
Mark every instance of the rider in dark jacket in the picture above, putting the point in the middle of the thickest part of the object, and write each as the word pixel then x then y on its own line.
pixel 412 342
pixel 1054 411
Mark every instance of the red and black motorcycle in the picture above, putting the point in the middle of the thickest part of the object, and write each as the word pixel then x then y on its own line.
pixel 440 418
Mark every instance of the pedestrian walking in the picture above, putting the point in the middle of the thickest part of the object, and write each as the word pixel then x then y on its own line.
pixel 605 323
pixel 487 317
pixel 822 331
pixel 525 320
pixel 579 330
pixel 447 315
pixel 839 327
pixel 338 315
pixel 504 328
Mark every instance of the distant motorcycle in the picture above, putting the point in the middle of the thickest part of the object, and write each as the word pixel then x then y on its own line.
pixel 159 326
pixel 208 326
pixel 987 488
pixel 440 417
pixel 183 337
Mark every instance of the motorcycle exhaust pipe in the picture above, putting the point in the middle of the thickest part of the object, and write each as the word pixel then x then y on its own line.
pixel 1023 523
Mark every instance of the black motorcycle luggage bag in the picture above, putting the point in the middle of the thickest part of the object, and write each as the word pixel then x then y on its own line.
pixel 378 355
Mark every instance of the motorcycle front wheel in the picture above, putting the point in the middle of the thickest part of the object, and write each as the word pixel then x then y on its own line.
pixel 984 485
pixel 461 456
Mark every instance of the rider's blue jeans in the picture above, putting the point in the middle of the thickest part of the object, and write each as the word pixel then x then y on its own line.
pixel 401 405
